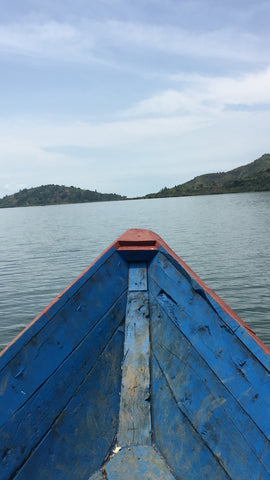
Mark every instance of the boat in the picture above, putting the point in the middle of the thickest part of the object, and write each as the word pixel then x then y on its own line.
pixel 137 370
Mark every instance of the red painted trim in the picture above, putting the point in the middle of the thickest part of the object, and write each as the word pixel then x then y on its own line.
pixel 135 239
pixel 138 239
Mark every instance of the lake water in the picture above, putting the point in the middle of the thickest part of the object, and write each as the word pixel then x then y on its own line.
pixel 223 238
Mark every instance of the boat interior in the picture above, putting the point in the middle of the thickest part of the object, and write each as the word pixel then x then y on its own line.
pixel 134 372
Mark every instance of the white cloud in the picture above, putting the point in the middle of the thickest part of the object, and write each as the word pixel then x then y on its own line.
pixel 166 151
pixel 92 40
pixel 52 40
pixel 223 43
pixel 42 142
pixel 206 96
pixel 170 115
pixel 249 89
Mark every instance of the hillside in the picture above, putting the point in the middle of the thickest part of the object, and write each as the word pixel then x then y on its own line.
pixel 54 195
pixel 253 177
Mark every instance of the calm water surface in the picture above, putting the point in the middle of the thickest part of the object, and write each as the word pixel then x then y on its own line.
pixel 223 238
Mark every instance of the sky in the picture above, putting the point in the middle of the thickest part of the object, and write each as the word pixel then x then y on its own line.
pixel 128 96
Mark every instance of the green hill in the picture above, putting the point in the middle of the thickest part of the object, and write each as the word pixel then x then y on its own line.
pixel 55 195
pixel 253 177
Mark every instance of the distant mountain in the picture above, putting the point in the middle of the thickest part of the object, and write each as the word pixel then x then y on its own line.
pixel 253 177
pixel 54 195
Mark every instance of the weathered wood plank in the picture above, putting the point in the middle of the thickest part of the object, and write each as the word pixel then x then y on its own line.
pixel 34 419
pixel 82 435
pixel 137 279
pixel 43 353
pixel 134 418
pixel 137 463
pixel 183 448
pixel 223 313
pixel 44 317
pixel 97 476
pixel 246 378
pixel 213 412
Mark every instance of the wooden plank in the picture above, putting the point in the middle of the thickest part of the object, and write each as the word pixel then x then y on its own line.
pixel 137 279
pixel 246 339
pixel 49 312
pixel 137 463
pixel 225 428
pixel 36 416
pixel 134 418
pixel 97 476
pixel 43 353
pixel 245 377
pixel 230 318
pixel 83 434
pixel 182 447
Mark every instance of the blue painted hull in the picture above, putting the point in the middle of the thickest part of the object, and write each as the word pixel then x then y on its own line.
pixel 137 370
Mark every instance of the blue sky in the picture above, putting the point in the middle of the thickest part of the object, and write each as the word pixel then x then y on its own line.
pixel 129 96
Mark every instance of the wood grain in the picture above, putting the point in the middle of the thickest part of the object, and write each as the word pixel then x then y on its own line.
pixel 135 420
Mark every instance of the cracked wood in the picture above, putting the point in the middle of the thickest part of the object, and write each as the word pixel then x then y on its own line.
pixel 135 419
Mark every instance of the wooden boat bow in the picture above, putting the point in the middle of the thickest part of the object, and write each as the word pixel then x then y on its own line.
pixel 137 370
